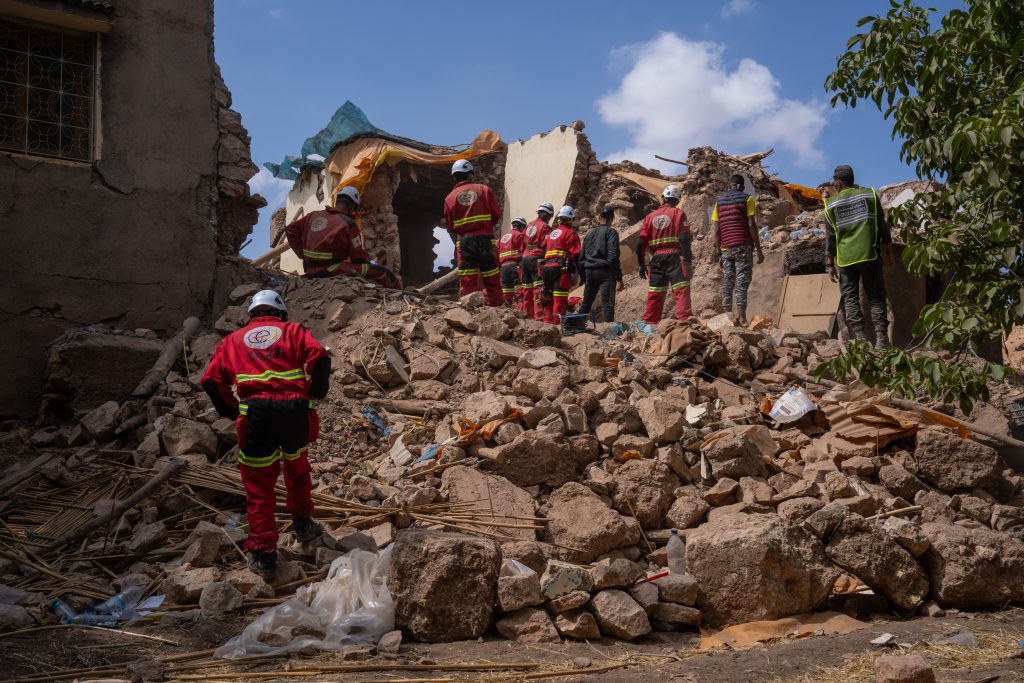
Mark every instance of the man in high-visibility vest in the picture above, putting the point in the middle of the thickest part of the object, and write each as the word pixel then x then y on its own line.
pixel 329 243
pixel 665 234
pixel 510 253
pixel 856 231
pixel 471 211
pixel 561 259
pixel 275 368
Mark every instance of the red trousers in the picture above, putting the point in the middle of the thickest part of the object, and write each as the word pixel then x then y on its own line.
pixel 531 285
pixel 478 261
pixel 668 271
pixel 261 499
pixel 555 294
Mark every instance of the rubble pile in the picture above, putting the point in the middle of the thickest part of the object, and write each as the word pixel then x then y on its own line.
pixel 528 481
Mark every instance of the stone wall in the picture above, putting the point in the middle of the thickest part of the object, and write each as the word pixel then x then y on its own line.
pixel 131 239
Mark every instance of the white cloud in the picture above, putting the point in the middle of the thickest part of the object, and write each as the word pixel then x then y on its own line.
pixel 274 190
pixel 734 7
pixel 276 12
pixel 679 94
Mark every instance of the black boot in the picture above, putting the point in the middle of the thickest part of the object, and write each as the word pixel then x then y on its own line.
pixel 307 530
pixel 264 563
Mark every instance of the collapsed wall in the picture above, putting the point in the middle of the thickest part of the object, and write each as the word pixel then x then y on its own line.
pixel 130 240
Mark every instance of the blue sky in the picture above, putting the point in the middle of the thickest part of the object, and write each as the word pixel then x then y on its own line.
pixel 646 77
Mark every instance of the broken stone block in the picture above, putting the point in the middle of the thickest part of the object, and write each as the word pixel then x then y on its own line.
pixel 733 456
pixel 579 519
pixel 484 406
pixel 619 615
pixel 538 358
pixel 743 555
pixel 973 568
pixel 15 617
pixel 664 424
pixel 184 586
pixel 824 521
pixel 903 669
pixel 754 490
pixel 324 556
pixel 865 505
pixel 461 319
pixel 101 422
pixel 560 578
pixel 465 484
pixel 950 462
pixel 564 603
pixel 219 598
pixel 444 585
pixel 977 509
pixel 340 317
pixel 528 625
pixel 675 614
pixel 181 435
pixel 858 466
pixel 899 481
pixel 875 558
pixel 390 643
pixel 607 433
pixel 383 534
pixel 575 419
pixel 687 511
pixel 617 573
pixel 907 534
pixel 205 547
pixel 644 489
pixel 147 537
pixel 646 595
pixel 536 458
pixel 632 442
pixel 1006 517
pixel 796 510
pixel 578 624
pixel 722 493
pixel 516 592
pixel 681 589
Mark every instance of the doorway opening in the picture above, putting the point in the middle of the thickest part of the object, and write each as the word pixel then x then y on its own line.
pixel 419 204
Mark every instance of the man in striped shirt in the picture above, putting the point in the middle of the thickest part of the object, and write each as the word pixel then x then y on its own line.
pixel 735 230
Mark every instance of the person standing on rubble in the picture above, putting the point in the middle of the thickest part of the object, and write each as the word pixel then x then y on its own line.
pixel 601 269
pixel 534 238
pixel 854 244
pixel 471 212
pixel 665 233
pixel 329 243
pixel 735 229
pixel 561 259
pixel 276 368
pixel 510 253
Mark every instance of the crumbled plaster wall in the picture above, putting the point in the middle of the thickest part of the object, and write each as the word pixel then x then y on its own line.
pixel 130 240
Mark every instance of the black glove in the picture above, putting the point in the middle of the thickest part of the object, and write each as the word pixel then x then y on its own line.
pixel 643 271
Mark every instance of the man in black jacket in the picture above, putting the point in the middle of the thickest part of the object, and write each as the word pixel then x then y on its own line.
pixel 601 269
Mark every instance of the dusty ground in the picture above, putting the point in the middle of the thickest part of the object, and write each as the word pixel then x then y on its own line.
pixel 664 657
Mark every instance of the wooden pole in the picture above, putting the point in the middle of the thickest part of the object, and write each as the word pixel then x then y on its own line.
pixel 443 281
pixel 172 351
pixel 263 258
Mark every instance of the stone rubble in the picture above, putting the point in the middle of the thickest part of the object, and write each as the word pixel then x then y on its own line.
pixel 584 451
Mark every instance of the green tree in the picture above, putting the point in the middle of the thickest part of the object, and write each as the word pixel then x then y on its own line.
pixel 954 92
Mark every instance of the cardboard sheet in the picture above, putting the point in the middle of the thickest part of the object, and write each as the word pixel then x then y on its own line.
pixel 799 626
pixel 809 303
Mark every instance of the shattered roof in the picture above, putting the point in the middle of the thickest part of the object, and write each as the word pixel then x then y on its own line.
pixel 98 5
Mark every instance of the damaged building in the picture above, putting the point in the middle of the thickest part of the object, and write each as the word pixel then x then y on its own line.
pixel 96 170
pixel 403 184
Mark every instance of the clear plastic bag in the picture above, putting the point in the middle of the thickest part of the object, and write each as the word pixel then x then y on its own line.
pixel 792 405
pixel 351 606
pixel 510 567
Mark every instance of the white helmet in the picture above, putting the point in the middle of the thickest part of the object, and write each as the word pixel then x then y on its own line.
pixel 672 192
pixel 519 220
pixel 347 191
pixel 462 166
pixel 567 212
pixel 267 297
pixel 546 207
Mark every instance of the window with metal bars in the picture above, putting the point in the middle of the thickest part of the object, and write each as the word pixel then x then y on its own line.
pixel 47 87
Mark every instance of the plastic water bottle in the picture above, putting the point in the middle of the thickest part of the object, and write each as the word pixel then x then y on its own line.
pixel 93 619
pixel 121 602
pixel 676 553
pixel 64 611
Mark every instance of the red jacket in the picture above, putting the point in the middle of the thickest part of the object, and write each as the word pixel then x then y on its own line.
pixel 661 230
pixel 268 358
pixel 535 237
pixel 326 237
pixel 564 243
pixel 510 247
pixel 471 209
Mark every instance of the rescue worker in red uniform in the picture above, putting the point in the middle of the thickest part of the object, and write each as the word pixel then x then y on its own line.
pixel 665 234
pixel 471 212
pixel 275 368
pixel 534 238
pixel 510 252
pixel 329 243
pixel 561 259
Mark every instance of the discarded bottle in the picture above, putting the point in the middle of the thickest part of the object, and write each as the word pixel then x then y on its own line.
pixel 122 602
pixel 64 611
pixel 93 619
pixel 676 553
